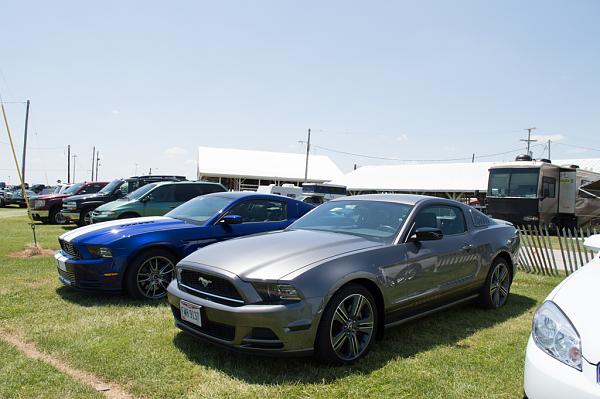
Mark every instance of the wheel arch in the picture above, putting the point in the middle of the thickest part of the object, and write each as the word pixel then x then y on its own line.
pixel 505 255
pixel 139 251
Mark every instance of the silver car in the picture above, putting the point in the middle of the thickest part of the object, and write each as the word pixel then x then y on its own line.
pixel 332 281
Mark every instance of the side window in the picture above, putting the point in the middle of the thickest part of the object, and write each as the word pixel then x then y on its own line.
pixel 94 188
pixel 260 211
pixel 132 186
pixel 449 219
pixel 124 188
pixel 210 188
pixel 185 192
pixel 478 218
pixel 549 187
pixel 163 194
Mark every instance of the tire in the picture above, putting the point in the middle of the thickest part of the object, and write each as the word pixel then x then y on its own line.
pixel 344 335
pixel 150 274
pixel 85 217
pixel 55 217
pixel 496 289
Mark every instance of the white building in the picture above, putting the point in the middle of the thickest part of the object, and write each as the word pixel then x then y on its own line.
pixel 247 169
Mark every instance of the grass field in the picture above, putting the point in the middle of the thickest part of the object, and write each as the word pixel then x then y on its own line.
pixel 461 353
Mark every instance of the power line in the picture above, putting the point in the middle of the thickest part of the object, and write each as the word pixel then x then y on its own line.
pixel 577 146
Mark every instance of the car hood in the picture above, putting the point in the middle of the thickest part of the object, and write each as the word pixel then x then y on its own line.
pixel 272 256
pixel 578 297
pixel 84 197
pixel 109 232
pixel 52 196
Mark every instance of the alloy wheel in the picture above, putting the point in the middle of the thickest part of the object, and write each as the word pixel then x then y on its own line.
pixel 352 327
pixel 154 276
pixel 500 284
pixel 87 218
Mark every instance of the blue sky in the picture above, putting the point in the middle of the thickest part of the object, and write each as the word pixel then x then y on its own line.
pixel 147 82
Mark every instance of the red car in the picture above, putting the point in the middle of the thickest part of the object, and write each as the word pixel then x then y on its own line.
pixel 46 208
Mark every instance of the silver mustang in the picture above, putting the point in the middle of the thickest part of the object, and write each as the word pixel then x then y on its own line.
pixel 332 281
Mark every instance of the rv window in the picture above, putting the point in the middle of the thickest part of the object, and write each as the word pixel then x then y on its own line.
pixel 548 187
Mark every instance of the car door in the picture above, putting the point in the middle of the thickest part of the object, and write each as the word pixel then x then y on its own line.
pixel 160 201
pixel 258 216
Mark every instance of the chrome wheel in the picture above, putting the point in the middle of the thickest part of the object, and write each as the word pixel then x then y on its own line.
pixel 153 277
pixel 352 327
pixel 500 284
pixel 59 218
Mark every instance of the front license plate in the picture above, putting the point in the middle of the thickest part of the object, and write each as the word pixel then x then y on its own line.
pixel 61 265
pixel 190 312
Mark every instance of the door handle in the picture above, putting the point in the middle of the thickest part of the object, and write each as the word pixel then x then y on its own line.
pixel 467 247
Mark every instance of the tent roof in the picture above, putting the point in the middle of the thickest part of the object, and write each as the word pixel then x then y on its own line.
pixel 438 177
pixel 229 162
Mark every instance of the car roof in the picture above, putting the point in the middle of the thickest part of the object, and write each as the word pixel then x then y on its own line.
pixel 247 194
pixel 407 199
pixel 162 183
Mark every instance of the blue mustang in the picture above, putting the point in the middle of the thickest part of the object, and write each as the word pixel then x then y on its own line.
pixel 139 255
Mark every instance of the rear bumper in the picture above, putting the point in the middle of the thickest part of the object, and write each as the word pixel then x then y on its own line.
pixel 88 274
pixel 292 327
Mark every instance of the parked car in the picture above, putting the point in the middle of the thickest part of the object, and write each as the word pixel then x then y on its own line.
pixel 16 198
pixel 79 208
pixel 154 199
pixel 563 353
pixel 38 188
pixel 139 255
pixel 47 208
pixel 332 281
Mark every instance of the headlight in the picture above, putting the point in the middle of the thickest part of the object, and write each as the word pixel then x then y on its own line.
pixel 39 204
pixel 277 293
pixel 101 252
pixel 554 334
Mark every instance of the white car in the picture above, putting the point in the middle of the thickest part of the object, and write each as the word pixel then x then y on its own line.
pixel 563 353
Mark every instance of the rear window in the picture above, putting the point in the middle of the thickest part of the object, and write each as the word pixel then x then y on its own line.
pixel 479 219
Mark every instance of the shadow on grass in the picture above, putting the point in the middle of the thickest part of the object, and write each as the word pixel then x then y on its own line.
pixel 445 328
pixel 95 299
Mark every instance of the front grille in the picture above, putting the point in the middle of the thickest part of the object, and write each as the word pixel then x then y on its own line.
pixel 69 276
pixel 212 328
pixel 214 288
pixel 69 249
pixel 70 206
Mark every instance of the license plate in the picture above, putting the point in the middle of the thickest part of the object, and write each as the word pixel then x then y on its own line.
pixel 190 312
pixel 61 265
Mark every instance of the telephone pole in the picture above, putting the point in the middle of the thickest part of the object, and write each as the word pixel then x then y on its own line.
pixel 25 141
pixel 74 162
pixel 529 140
pixel 549 141
pixel 97 162
pixel 93 161
pixel 307 152
pixel 69 164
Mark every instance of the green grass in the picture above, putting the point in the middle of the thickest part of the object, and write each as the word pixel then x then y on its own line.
pixel 464 352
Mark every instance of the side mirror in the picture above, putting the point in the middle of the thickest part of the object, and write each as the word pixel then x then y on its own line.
pixel 427 234
pixel 147 198
pixel 119 194
pixel 232 219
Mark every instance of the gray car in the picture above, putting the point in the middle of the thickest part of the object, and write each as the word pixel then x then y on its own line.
pixel 332 281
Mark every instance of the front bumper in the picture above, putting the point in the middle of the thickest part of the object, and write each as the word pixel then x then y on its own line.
pixel 547 378
pixel 293 326
pixel 70 215
pixel 97 218
pixel 88 274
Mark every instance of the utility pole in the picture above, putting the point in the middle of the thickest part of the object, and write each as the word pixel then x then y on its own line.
pixel 25 141
pixel 69 164
pixel 529 140
pixel 93 161
pixel 74 161
pixel 307 152
pixel 473 158
pixel 150 172
pixel 97 162
pixel 549 141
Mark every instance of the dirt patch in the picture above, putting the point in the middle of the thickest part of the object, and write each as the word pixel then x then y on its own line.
pixel 110 390
pixel 32 251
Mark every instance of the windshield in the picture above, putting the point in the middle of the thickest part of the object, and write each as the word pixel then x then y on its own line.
pixel 110 186
pixel 73 189
pixel 140 192
pixel 376 220
pixel 199 209
pixel 521 183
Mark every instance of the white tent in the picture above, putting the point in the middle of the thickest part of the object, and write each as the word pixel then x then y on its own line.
pixel 451 179
pixel 248 168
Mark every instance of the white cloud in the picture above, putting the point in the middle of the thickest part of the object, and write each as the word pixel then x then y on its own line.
pixel 115 112
pixel 174 152
pixel 543 138
pixel 402 137
pixel 577 151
